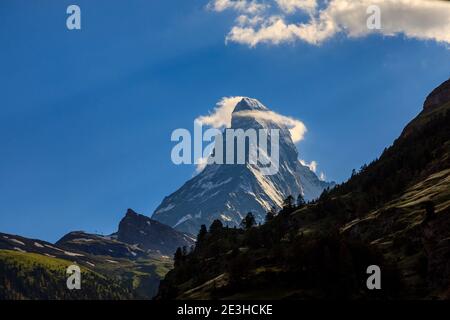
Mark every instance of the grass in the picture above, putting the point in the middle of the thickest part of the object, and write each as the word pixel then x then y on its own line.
pixel 28 261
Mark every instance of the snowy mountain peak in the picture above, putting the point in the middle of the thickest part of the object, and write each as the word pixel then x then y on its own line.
pixel 229 191
pixel 249 104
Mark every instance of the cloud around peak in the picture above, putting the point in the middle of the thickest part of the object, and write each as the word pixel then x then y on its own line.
pixel 222 114
pixel 273 22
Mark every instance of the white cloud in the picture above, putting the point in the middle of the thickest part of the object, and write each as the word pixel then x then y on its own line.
pixel 249 21
pixel 201 164
pixel 290 6
pixel 221 118
pixel 322 176
pixel 419 19
pixel 312 165
pixel 244 6
pixel 221 115
pixel 296 127
pixel 274 30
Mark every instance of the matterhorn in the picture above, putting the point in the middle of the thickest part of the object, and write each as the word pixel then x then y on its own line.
pixel 229 191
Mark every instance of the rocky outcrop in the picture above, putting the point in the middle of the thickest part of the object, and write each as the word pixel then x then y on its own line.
pixel 438 96
pixel 148 234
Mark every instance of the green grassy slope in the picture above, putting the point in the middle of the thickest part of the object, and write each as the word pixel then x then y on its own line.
pixel 103 258
pixel 35 276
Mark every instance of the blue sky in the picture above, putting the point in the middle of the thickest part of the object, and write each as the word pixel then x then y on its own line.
pixel 86 115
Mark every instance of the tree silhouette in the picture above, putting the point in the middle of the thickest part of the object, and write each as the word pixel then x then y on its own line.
pixel 178 257
pixel 300 201
pixel 270 215
pixel 249 221
pixel 288 203
pixel 216 226
pixel 201 235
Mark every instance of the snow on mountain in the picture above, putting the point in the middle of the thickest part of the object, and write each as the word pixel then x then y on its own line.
pixel 228 191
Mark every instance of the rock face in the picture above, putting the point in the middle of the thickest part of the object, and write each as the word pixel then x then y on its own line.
pixel 434 106
pixel 438 96
pixel 137 237
pixel 228 191
pixel 148 234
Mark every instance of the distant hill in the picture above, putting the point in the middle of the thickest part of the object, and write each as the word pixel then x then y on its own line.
pixel 36 276
pixel 151 235
pixel 393 212
pixel 112 268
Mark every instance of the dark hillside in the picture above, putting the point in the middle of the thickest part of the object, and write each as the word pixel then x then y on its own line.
pixel 394 213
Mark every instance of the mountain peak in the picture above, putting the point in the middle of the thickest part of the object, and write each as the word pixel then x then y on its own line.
pixel 228 191
pixel 249 104
pixel 149 234
pixel 131 213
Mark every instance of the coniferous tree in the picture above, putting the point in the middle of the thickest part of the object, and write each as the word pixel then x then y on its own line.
pixel 300 201
pixel 249 221
pixel 288 203
pixel 216 226
pixel 270 215
pixel 178 257
pixel 201 235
